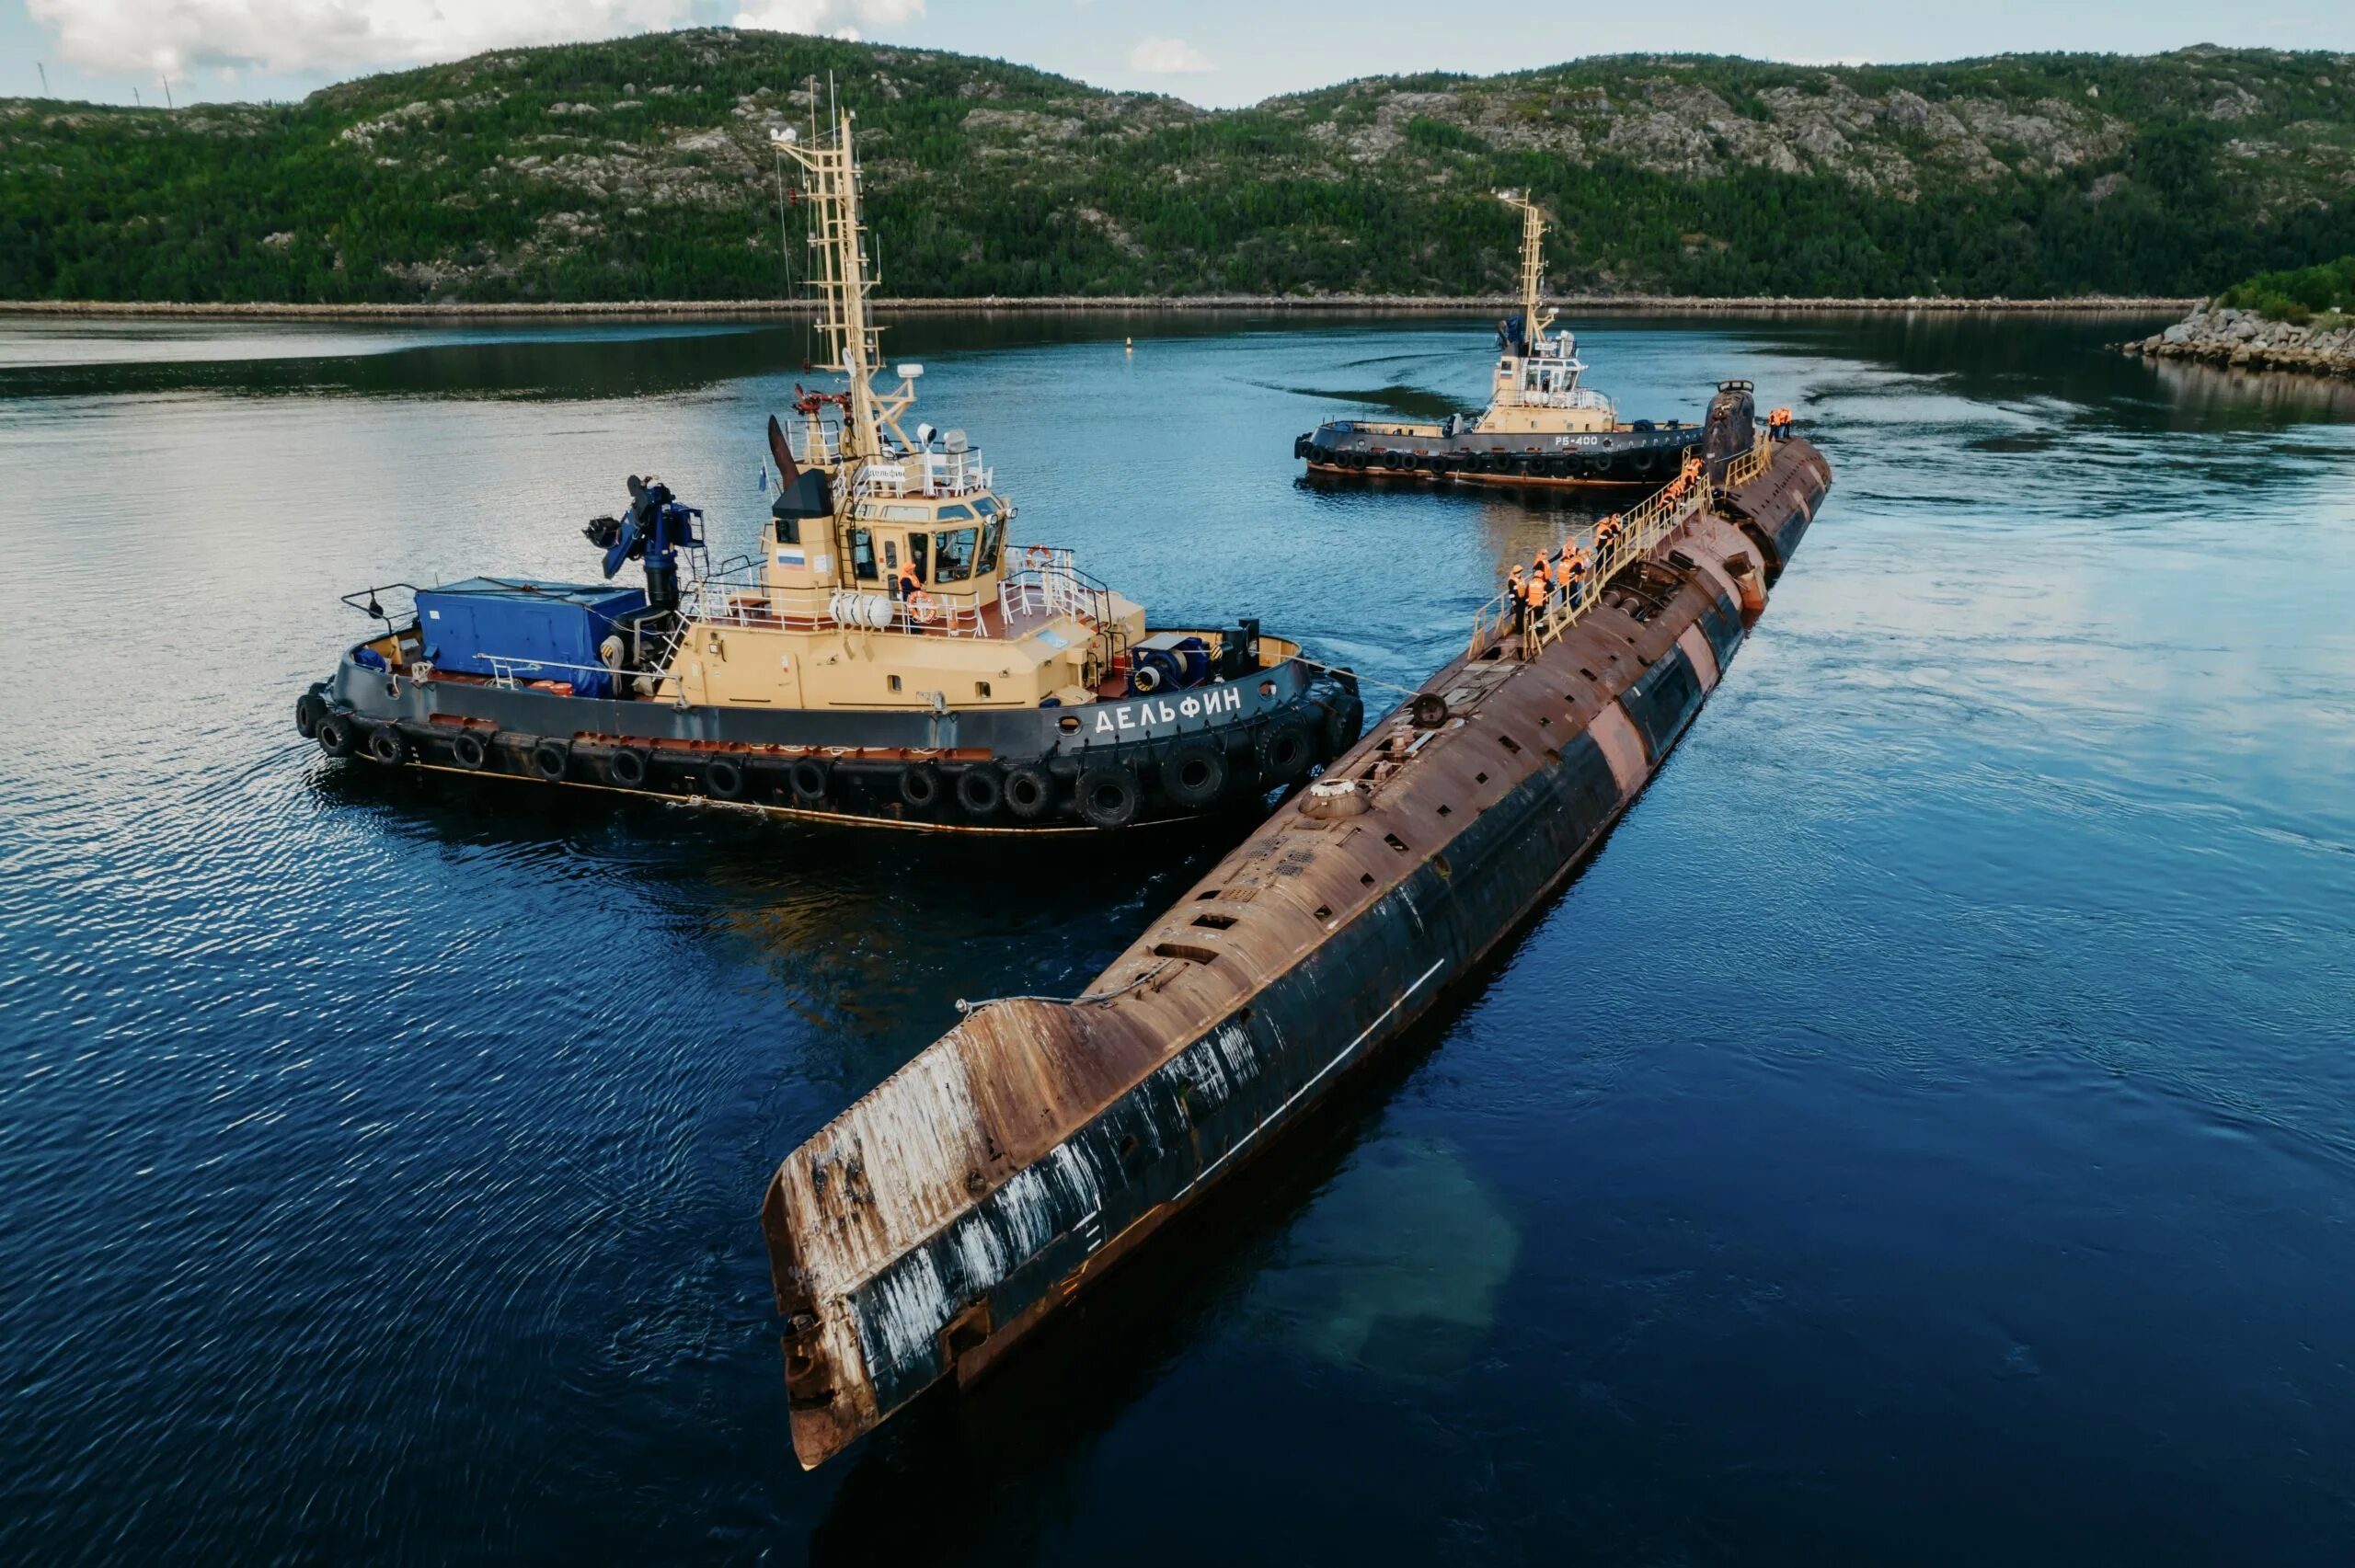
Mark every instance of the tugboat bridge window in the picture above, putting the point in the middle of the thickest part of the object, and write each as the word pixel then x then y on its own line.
pixel 954 555
pixel 862 555
pixel 992 534
pixel 789 531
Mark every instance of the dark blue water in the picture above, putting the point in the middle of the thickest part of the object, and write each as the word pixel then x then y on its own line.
pixel 1925 1134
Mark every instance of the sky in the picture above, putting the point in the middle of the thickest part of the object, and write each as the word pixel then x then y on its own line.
pixel 1215 53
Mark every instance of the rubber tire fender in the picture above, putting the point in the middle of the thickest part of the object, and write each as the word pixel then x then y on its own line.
pixel 809 778
pixel 386 745
pixel 628 767
pixel 920 785
pixel 1193 774
pixel 724 779
pixel 980 790
pixel 309 708
pixel 1344 721
pixel 471 751
pixel 337 735
pixel 1029 792
pixel 1107 795
pixel 1286 749
pixel 551 760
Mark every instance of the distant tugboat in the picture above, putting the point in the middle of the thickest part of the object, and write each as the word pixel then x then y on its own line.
pixel 1542 427
pixel 887 658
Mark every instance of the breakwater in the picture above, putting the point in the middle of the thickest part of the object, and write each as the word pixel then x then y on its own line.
pixel 2245 341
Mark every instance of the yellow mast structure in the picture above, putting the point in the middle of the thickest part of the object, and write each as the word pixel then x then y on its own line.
pixel 840 277
pixel 1534 320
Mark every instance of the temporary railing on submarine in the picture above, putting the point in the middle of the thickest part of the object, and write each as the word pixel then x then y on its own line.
pixel 1656 516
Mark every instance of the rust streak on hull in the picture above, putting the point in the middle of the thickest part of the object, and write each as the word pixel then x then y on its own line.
pixel 949 1211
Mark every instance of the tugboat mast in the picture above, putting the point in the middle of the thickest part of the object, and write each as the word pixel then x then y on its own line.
pixel 1534 321
pixel 841 280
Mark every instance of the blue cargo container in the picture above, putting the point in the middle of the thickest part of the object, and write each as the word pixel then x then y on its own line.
pixel 534 631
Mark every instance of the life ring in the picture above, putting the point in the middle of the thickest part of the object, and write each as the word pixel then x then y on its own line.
pixel 1193 775
pixel 1037 558
pixel 338 736
pixel 470 750
pixel 549 760
pixel 1107 795
pixel 980 790
pixel 809 777
pixel 1286 749
pixel 920 785
pixel 385 746
pixel 1029 792
pixel 923 609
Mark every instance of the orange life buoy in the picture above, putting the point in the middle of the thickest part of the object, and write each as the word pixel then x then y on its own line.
pixel 923 609
pixel 1037 558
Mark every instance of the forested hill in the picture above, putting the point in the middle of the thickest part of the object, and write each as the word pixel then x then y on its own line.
pixel 640 168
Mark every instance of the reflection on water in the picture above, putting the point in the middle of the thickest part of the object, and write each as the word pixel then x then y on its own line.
pixel 1397 1267
pixel 383 1153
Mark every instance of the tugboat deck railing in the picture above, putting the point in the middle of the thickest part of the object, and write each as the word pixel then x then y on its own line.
pixel 1047 585
pixel 1576 397
pixel 1660 514
pixel 922 473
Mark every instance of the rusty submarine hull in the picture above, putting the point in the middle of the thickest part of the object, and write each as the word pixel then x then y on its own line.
pixel 949 1211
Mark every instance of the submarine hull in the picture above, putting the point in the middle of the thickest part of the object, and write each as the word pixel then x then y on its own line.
pixel 954 1208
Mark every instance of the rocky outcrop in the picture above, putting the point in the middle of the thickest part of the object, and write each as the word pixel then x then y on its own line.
pixel 2246 340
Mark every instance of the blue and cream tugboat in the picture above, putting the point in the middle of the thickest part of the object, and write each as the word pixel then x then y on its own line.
pixel 1543 425
pixel 889 656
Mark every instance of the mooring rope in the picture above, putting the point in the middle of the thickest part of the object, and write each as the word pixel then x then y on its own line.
pixel 1360 680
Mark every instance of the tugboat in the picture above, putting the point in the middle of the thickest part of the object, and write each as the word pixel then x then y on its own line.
pixel 1542 425
pixel 887 658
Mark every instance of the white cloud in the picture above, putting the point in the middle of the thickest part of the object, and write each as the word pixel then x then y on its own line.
pixel 838 18
pixel 337 35
pixel 1168 57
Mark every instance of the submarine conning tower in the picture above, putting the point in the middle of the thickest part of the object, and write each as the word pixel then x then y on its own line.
pixel 951 1209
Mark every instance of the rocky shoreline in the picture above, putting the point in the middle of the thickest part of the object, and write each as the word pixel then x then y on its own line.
pixel 714 310
pixel 2245 341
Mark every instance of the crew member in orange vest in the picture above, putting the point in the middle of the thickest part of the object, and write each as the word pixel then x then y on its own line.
pixel 1572 574
pixel 1535 592
pixel 1606 533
